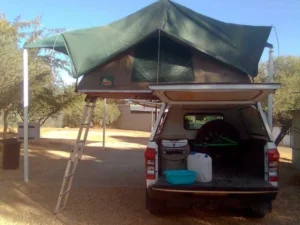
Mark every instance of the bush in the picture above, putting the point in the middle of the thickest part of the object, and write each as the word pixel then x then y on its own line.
pixel 73 115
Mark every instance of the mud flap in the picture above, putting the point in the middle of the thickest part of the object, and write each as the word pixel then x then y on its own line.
pixel 155 206
pixel 261 207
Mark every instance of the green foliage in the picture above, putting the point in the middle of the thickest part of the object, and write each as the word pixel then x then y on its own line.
pixel 112 113
pixel 73 114
pixel 287 98
pixel 48 94
pixel 10 63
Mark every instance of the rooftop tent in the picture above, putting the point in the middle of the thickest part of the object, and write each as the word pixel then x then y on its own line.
pixel 239 46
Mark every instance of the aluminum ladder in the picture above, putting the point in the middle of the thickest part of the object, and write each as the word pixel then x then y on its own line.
pixel 76 153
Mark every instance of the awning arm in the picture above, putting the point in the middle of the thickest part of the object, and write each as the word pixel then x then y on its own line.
pixel 270 96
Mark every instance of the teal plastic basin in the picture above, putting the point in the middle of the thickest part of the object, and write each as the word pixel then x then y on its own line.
pixel 180 176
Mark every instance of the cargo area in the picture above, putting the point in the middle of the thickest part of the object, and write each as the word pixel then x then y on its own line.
pixel 235 145
pixel 237 162
pixel 234 168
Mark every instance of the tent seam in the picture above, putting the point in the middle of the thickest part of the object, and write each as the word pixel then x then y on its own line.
pixel 67 48
pixel 164 15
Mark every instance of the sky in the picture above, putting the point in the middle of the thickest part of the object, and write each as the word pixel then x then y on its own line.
pixel 74 14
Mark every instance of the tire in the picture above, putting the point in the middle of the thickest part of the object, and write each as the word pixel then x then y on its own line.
pixel 258 210
pixel 250 213
pixel 155 206
pixel 214 128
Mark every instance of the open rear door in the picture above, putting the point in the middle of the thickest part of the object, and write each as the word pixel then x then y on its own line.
pixel 212 93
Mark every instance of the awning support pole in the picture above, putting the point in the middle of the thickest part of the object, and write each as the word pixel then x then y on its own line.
pixel 25 102
pixel 271 96
pixel 104 123
pixel 158 58
pixel 151 120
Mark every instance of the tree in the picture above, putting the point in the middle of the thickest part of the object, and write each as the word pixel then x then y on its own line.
pixel 287 98
pixel 112 113
pixel 10 68
pixel 73 114
pixel 48 94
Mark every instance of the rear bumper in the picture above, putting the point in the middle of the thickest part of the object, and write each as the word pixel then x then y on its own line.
pixel 214 200
pixel 203 193
pixel 171 193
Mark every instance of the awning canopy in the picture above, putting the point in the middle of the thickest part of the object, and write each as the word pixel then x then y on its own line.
pixel 239 46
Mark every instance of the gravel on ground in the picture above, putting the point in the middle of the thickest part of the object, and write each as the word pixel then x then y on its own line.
pixel 109 187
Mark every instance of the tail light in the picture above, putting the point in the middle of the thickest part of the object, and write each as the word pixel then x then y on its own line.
pixel 150 163
pixel 273 163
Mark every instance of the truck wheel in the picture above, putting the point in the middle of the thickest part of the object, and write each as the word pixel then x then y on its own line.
pixel 258 210
pixel 154 206
pixel 250 213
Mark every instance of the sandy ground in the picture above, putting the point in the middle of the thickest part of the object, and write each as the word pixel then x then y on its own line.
pixel 109 186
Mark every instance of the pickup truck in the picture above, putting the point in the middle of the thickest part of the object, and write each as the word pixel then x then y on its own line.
pixel 225 121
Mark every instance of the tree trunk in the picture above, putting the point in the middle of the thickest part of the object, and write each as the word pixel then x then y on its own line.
pixel 5 122
pixel 282 133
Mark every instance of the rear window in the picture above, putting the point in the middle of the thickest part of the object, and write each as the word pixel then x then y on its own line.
pixel 195 121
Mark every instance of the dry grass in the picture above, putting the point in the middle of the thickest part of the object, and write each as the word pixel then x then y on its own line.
pixel 109 186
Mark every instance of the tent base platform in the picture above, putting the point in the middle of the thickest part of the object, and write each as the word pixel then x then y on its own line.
pixel 120 94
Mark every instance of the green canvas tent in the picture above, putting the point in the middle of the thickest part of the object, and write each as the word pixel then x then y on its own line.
pixel 236 46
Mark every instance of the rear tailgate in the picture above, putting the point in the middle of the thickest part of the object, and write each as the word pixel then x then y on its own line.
pixel 218 186
pixel 182 94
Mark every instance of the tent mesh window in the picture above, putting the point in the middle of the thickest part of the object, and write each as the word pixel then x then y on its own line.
pixel 174 63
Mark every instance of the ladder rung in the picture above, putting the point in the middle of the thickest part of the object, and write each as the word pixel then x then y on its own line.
pixel 65 192
pixel 80 145
pixel 58 210
pixel 73 160
pixel 85 124
pixel 80 148
pixel 70 175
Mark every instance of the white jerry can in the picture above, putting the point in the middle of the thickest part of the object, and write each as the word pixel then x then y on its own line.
pixel 202 165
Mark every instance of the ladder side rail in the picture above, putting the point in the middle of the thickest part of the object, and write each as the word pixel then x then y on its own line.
pixel 79 154
pixel 76 153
